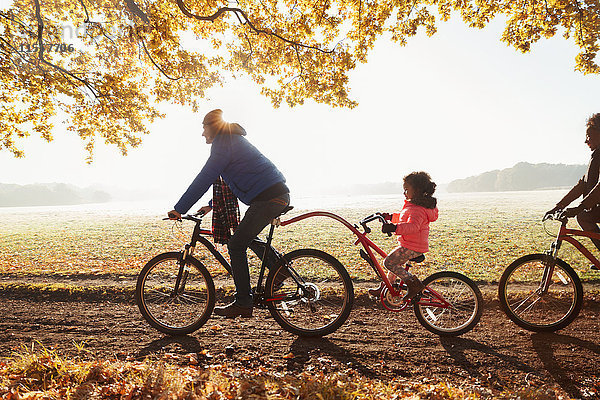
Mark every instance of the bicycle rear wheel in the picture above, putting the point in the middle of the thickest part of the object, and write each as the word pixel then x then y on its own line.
pixel 524 300
pixel 450 305
pixel 311 294
pixel 175 299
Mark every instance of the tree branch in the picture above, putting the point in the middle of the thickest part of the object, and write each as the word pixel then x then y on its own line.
pixel 14 19
pixel 87 20
pixel 87 15
pixel 580 13
pixel 16 51
pixel 299 62
pixel 63 71
pixel 238 11
pixel 135 10
pixel 359 20
pixel 154 63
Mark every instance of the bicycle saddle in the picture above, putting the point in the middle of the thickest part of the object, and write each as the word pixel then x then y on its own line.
pixel 286 209
pixel 418 259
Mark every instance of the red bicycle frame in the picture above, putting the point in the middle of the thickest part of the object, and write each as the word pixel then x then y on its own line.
pixel 566 234
pixel 435 300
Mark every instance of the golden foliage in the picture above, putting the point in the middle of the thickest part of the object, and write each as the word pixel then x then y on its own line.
pixel 127 56
pixel 35 373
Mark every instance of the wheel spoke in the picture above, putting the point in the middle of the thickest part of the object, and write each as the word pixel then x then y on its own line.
pixel 191 299
pixel 157 294
pixel 531 305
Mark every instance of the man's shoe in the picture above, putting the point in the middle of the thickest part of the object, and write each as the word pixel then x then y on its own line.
pixel 594 268
pixel 233 310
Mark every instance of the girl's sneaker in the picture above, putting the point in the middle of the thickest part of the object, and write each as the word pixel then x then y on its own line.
pixel 376 292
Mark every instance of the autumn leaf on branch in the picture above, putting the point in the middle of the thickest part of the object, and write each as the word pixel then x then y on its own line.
pixel 104 66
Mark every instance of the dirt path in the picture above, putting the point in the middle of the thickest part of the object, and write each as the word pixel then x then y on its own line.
pixel 497 355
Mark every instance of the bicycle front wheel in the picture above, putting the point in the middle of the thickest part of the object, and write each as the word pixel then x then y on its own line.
pixel 536 301
pixel 311 294
pixel 451 304
pixel 174 297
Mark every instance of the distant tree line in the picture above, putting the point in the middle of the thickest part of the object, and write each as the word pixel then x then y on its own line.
pixel 523 176
pixel 48 194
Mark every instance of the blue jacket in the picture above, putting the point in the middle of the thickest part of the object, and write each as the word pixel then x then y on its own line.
pixel 245 170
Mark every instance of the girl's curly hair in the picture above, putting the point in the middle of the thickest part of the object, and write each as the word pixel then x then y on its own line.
pixel 421 182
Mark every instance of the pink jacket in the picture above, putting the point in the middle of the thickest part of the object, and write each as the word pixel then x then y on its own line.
pixel 413 226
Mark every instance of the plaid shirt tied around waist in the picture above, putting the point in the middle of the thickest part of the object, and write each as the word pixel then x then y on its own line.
pixel 226 212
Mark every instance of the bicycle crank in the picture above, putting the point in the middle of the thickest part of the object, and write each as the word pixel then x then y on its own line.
pixel 391 302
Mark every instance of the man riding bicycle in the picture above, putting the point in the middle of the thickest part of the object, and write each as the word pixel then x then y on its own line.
pixel 588 211
pixel 253 179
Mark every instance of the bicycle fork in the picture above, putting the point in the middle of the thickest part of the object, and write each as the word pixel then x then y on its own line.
pixel 183 272
pixel 549 263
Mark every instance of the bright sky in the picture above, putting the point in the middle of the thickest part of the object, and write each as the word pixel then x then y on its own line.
pixel 455 105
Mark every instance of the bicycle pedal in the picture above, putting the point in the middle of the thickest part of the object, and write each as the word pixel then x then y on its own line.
pixel 415 299
pixel 399 287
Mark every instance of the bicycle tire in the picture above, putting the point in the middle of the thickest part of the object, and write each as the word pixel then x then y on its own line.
pixel 466 304
pixel 325 304
pixel 520 300
pixel 174 314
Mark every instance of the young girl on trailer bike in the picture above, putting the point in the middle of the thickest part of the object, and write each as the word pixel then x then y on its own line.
pixel 412 227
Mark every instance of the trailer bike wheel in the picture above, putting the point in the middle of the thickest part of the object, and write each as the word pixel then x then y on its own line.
pixel 175 297
pixel 451 304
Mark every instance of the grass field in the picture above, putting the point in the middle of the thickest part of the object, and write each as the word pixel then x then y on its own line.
pixel 477 234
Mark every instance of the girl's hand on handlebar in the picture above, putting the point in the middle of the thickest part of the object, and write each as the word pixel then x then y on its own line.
pixel 387 216
pixel 174 215
pixel 388 228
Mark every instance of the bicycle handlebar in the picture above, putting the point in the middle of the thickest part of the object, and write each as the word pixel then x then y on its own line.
pixel 558 215
pixel 370 218
pixel 189 217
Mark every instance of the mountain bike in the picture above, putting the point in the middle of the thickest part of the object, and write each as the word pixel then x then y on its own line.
pixel 541 292
pixel 451 304
pixel 307 291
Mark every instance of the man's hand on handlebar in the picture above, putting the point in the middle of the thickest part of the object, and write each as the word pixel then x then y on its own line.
pixel 573 211
pixel 551 214
pixel 174 215
pixel 559 214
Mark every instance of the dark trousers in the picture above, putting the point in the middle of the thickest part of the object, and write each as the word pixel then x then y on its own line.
pixel 258 215
pixel 588 220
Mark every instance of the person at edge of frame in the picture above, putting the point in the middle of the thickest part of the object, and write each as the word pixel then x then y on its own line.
pixel 588 211
pixel 255 180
